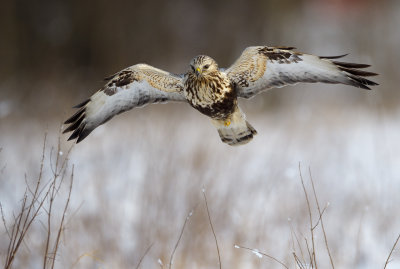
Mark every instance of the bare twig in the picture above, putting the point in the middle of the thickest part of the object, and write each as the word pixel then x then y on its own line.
pixel 313 256
pixel 32 204
pixel 298 262
pixel 4 221
pixel 298 242
pixel 144 255
pixel 88 254
pixel 320 219
pixel 256 251
pixel 26 216
pixel 61 227
pixel 391 251
pixel 179 239
pixel 46 249
pixel 13 245
pixel 59 173
pixel 212 228
pixel 310 255
pixel 320 216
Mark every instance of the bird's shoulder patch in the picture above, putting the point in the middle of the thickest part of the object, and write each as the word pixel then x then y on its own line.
pixel 156 78
pixel 281 55
pixel 250 67
pixel 118 80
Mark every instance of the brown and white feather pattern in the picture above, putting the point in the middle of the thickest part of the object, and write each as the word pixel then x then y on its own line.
pixel 261 68
pixel 214 91
pixel 134 86
pixel 213 94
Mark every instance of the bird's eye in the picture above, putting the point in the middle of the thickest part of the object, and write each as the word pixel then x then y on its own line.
pixel 206 66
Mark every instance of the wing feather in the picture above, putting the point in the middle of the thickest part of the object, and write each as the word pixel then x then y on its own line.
pixel 261 68
pixel 132 87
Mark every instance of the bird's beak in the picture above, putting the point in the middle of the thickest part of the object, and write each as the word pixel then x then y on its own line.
pixel 198 71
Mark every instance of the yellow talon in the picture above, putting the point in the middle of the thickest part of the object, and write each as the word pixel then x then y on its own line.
pixel 227 122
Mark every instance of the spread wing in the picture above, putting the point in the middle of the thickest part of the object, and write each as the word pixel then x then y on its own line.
pixel 261 68
pixel 134 86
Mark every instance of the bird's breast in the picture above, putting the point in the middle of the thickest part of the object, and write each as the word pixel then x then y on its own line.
pixel 214 97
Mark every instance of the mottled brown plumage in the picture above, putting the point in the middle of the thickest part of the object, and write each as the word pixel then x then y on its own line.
pixel 211 92
pixel 214 91
pixel 208 90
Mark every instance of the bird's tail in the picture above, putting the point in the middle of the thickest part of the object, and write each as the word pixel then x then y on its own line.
pixel 235 130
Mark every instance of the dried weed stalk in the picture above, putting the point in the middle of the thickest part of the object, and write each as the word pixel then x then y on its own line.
pixel 212 228
pixel 179 239
pixel 34 201
pixel 311 249
pixel 391 252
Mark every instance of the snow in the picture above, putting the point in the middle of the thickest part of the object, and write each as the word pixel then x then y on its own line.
pixel 257 253
pixel 134 186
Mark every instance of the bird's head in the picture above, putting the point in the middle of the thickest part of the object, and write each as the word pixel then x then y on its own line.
pixel 203 65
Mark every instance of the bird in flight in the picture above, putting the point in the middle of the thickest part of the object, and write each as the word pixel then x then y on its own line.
pixel 211 90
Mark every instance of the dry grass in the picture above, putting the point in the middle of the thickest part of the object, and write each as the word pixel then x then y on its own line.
pixel 39 199
pixel 142 197
pixel 310 260
pixel 42 197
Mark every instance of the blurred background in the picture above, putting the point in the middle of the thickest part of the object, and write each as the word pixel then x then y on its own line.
pixel 138 176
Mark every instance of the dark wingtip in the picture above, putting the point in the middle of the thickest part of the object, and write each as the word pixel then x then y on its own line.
pixel 357 72
pixel 71 138
pixel 354 74
pixel 80 133
pixel 360 82
pixel 77 123
pixel 362 86
pixel 76 116
pixel 285 48
pixel 333 57
pixel 82 104
pixel 83 135
pixel 350 65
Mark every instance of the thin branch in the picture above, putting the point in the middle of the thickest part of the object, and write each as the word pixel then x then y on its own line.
pixel 61 228
pixel 46 249
pixel 313 260
pixel 320 218
pixel 212 228
pixel 90 255
pixel 310 255
pixel 266 255
pixel 391 251
pixel 298 262
pixel 15 242
pixel 144 255
pixel 179 239
pixel 4 221
pixel 31 208
pixel 53 170
pixel 298 242
pixel 35 193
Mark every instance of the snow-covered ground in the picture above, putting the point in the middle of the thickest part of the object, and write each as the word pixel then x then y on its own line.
pixel 137 177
